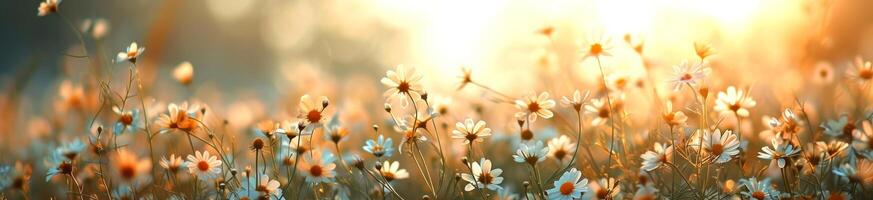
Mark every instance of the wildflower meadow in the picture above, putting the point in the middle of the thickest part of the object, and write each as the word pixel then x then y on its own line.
pixel 381 99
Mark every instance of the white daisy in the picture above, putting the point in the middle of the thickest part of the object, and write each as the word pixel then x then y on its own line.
pixel 471 132
pixel 759 190
pixel 530 154
pixel 862 139
pixel 832 149
pixel 311 110
pixel 688 74
pixel 577 100
pixel 653 159
pixel 734 102
pixel 532 106
pixel 180 117
pixel 603 189
pixel 318 167
pixel 483 176
pixel 402 83
pixel 719 146
pixel 130 54
pixel 129 167
pixel 204 166
pixel 599 108
pixel 269 187
pixel 673 118
pixel 173 164
pixel 862 71
pixel 391 171
pixel 560 148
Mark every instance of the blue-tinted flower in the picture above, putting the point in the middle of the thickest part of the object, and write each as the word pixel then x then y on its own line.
pixel 58 165
pixel 5 176
pixel 861 172
pixel 382 146
pixel 128 121
pixel 71 150
pixel 569 186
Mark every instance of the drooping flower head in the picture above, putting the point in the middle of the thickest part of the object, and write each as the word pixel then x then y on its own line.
pixel 703 50
pixel 48 7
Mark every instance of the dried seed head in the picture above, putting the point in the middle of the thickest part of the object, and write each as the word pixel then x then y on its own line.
pixel 301 126
pixel 66 167
pixel 704 91
pixel 358 163
pixel 378 166
pixel 424 96
pixel 258 144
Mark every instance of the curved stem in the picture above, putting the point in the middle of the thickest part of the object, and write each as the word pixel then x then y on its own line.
pixel 611 121
pixel 78 33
